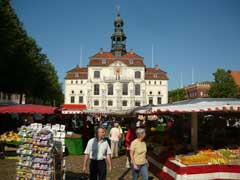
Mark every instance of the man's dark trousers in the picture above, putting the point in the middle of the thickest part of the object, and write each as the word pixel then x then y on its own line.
pixel 98 169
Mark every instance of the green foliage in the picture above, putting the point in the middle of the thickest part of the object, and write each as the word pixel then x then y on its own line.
pixel 24 69
pixel 177 95
pixel 223 85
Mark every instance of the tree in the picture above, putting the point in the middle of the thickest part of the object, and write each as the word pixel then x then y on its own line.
pixel 24 69
pixel 177 95
pixel 223 85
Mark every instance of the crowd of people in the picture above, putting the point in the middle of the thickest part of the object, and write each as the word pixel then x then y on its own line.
pixel 105 145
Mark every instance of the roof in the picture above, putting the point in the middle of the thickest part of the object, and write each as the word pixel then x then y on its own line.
pixel 155 74
pixel 99 62
pixel 110 55
pixel 200 105
pixel 28 108
pixel 236 76
pixel 77 73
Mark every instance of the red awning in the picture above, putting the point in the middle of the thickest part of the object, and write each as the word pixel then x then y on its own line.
pixel 27 108
pixel 73 108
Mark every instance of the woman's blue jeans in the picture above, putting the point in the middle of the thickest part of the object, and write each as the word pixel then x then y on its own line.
pixel 142 169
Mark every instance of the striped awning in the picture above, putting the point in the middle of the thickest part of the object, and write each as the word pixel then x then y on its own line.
pixel 199 105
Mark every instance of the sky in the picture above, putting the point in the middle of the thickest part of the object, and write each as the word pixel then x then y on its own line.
pixel 187 36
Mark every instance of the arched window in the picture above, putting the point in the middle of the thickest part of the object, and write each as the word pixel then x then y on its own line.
pixel 137 75
pixel 110 89
pixel 96 74
pixel 96 89
pixel 137 89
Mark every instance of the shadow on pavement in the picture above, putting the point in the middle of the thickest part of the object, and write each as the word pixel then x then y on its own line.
pixel 76 176
pixel 124 174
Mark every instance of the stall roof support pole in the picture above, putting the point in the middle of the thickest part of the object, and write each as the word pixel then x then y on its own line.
pixel 194 130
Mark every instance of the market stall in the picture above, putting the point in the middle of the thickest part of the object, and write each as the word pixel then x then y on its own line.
pixel 11 138
pixel 211 164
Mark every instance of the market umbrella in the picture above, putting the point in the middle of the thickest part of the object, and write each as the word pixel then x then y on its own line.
pixel 27 108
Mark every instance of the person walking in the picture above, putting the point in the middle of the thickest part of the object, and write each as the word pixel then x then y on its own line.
pixel 138 150
pixel 114 137
pixel 130 136
pixel 98 151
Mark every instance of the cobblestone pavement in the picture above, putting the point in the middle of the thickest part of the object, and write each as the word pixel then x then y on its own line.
pixel 73 169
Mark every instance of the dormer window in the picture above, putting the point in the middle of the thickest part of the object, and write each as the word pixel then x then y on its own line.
pixel 76 75
pixel 131 61
pixel 104 61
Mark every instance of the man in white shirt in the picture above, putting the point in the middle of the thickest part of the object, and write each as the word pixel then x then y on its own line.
pixel 98 150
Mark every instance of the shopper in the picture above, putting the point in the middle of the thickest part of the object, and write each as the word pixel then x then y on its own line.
pixel 130 136
pixel 138 152
pixel 98 150
pixel 114 137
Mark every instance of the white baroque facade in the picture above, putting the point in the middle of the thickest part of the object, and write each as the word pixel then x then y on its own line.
pixel 117 80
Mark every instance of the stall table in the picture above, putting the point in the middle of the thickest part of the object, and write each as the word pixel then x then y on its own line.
pixel 173 169
pixel 74 145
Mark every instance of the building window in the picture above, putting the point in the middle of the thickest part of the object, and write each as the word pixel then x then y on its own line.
pixel 149 82
pixel 80 91
pixel 81 82
pixel 76 82
pixel 96 103
pixel 72 92
pixel 150 92
pixel 137 75
pixel 160 82
pixel 110 89
pixel 155 82
pixel 155 75
pixel 71 82
pixel 110 103
pixel 131 61
pixel 72 99
pixel 125 89
pixel 76 75
pixel 124 103
pixel 80 99
pixel 104 61
pixel 137 89
pixel 159 100
pixel 159 92
pixel 96 89
pixel 96 74
pixel 150 100
pixel 137 103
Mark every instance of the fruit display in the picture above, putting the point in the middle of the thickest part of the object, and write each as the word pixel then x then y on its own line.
pixel 221 156
pixel 228 153
pixel 194 159
pixel 10 137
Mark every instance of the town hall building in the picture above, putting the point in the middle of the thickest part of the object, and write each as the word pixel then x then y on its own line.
pixel 117 80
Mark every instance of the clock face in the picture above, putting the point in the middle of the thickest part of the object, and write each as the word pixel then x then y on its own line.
pixel 117 71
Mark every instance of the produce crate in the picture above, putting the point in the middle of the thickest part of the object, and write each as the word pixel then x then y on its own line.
pixel 74 146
